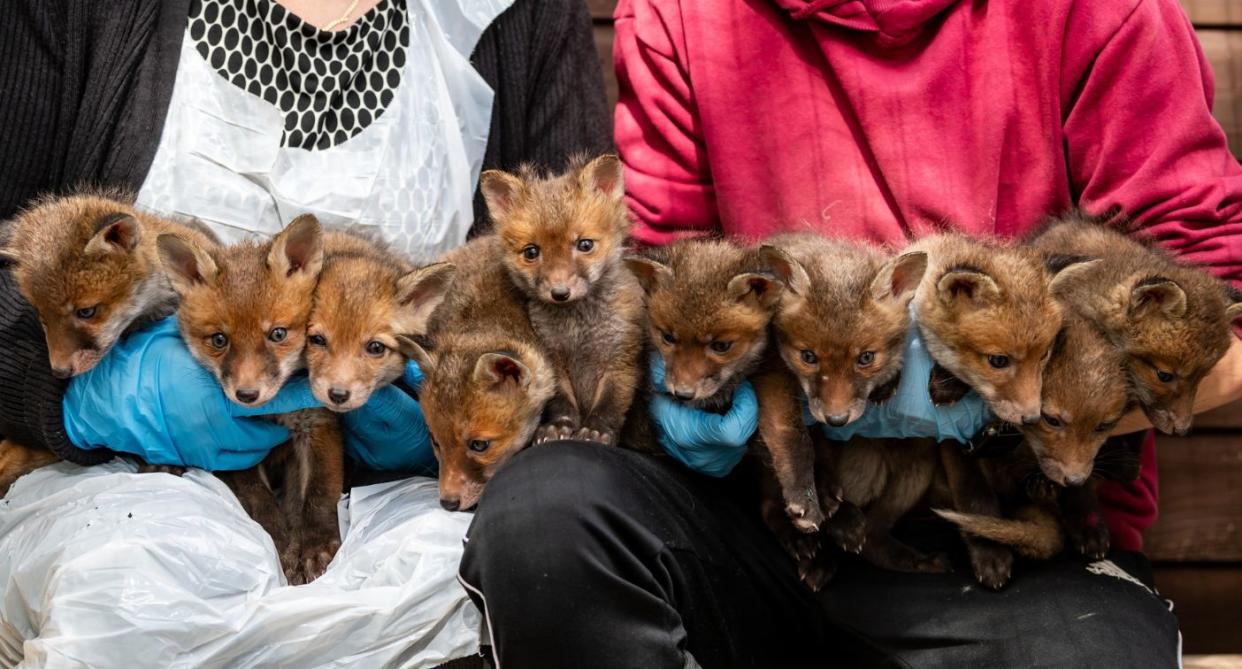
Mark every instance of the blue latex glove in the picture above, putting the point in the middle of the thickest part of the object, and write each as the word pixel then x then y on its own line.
pixel 909 413
pixel 388 433
pixel 708 443
pixel 149 397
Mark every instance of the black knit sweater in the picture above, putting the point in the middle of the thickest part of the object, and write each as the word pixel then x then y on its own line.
pixel 84 89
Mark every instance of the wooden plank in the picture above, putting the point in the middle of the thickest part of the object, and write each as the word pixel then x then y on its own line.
pixel 1212 662
pixel 1200 485
pixel 1228 417
pixel 1206 600
pixel 603 46
pixel 601 10
pixel 1223 49
pixel 1214 12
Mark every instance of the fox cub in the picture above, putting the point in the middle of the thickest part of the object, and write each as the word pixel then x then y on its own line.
pixel 486 376
pixel 1171 320
pixel 562 239
pixel 87 263
pixel 1047 486
pixel 840 331
pixel 243 315
pixel 368 295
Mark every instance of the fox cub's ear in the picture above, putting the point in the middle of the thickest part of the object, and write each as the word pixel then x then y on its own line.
pixel 502 191
pixel 415 351
pixel 185 264
pixel 755 289
pixel 1234 310
pixel 604 174
pixel 1157 295
pixel 899 277
pixel 650 273
pixel 789 271
pixel 502 372
pixel 298 249
pixel 967 287
pixel 115 233
pixel 420 292
pixel 1065 269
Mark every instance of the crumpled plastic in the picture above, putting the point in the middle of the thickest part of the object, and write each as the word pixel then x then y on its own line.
pixel 103 567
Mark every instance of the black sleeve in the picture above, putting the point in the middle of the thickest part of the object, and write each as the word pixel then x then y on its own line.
pixel 539 57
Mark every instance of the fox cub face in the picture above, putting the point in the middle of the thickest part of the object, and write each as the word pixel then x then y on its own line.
pixel 842 323
pixel 560 234
pixel 1085 394
pixel 709 306
pixel 79 263
pixel 1175 337
pixel 362 304
pixel 992 323
pixel 482 406
pixel 244 308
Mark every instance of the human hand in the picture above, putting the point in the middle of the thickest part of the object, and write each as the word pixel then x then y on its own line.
pixel 708 443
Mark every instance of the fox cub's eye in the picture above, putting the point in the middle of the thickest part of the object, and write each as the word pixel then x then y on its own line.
pixel 530 252
pixel 998 361
pixel 809 357
pixel 1053 421
pixel 668 337
pixel 218 340
pixel 866 358
pixel 480 445
pixel 1165 377
pixel 86 313
pixel 721 346
pixel 317 340
pixel 278 335
pixel 586 245
pixel 375 348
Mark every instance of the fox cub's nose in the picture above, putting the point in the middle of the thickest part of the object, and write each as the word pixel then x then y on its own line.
pixel 338 396
pixel 450 504
pixel 62 372
pixel 246 395
pixel 838 420
pixel 1031 419
pixel 683 393
pixel 560 293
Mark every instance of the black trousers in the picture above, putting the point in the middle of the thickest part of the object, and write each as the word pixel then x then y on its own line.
pixel 589 556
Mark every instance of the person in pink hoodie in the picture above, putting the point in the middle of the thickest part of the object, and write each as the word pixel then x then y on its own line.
pixel 880 120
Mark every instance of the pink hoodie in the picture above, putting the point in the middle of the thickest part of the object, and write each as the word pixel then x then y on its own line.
pixel 886 120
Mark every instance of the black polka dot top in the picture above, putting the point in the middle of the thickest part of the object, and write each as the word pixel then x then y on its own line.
pixel 328 85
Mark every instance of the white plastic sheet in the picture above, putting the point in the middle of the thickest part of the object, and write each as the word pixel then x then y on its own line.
pixel 102 567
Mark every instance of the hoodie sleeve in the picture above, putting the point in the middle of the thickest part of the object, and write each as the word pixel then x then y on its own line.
pixel 667 179
pixel 1140 136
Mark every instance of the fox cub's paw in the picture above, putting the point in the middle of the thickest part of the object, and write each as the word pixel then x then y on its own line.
pixel 314 560
pixel 818 570
pixel 1092 541
pixel 558 430
pixel 848 528
pixel 992 564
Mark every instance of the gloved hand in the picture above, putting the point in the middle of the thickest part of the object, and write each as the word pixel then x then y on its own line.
pixel 909 413
pixel 149 397
pixel 708 443
pixel 388 433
